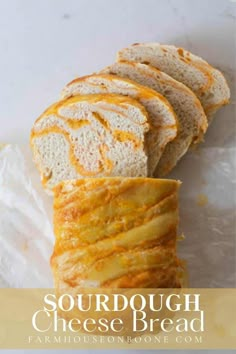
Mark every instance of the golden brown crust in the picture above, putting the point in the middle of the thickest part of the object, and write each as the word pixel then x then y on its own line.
pixel 111 230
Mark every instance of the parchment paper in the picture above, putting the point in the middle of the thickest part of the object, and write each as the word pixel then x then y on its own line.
pixel 207 214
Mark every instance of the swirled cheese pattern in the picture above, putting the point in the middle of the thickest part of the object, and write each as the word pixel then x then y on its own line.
pixel 91 136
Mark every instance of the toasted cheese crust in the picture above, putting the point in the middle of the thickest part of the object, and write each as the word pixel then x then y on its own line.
pixel 116 232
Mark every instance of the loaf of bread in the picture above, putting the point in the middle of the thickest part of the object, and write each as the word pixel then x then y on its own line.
pixel 95 148
pixel 162 117
pixel 191 117
pixel 91 136
pixel 205 81
pixel 116 233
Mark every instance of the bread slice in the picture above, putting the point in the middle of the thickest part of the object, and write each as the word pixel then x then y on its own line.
pixel 161 114
pixel 206 82
pixel 116 232
pixel 191 117
pixel 90 136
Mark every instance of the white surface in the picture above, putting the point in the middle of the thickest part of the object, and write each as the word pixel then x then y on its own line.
pixel 44 44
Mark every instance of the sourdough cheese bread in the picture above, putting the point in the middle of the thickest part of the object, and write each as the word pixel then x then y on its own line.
pixel 91 136
pixel 207 83
pixel 116 232
pixel 190 114
pixel 162 117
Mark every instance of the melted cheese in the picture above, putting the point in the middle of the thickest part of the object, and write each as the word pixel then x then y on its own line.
pixel 109 228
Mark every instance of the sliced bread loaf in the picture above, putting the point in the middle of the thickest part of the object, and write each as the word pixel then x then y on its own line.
pixel 162 117
pixel 206 82
pixel 191 117
pixel 91 136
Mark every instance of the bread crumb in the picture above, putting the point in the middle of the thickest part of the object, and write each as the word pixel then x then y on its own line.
pixel 202 200
pixel 25 246
pixel 180 52
pixel 2 145
pixel 181 237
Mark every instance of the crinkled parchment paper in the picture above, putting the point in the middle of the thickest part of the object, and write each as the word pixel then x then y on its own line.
pixel 207 214
pixel 26 235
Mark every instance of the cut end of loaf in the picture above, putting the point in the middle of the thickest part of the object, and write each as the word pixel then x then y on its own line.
pixel 160 113
pixel 91 136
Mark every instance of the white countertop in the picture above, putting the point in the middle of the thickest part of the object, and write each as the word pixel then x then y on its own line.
pixel 44 44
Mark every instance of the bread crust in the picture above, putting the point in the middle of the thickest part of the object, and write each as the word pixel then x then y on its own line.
pixel 111 230
pixel 213 90
pixel 192 121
